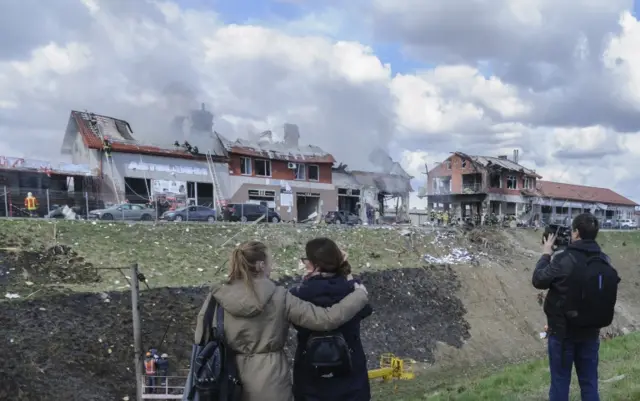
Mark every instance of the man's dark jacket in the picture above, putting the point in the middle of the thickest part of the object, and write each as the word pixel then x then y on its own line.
pixel 326 291
pixel 555 275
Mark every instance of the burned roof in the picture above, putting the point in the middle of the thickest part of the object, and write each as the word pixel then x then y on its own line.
pixel 268 149
pixel 488 161
pixel 122 140
pixel 559 190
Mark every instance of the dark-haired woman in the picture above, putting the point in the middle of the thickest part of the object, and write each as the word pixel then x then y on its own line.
pixel 327 282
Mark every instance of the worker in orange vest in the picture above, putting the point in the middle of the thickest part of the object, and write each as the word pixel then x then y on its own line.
pixel 31 204
pixel 150 372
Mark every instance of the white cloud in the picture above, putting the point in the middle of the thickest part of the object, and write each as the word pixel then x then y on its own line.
pixel 528 75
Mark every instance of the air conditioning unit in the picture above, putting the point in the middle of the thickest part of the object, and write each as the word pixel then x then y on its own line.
pixel 292 166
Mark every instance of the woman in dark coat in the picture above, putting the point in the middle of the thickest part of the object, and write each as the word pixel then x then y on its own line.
pixel 328 281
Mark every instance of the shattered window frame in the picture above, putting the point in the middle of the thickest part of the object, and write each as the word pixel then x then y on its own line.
pixel 448 164
pixel 464 163
pixel 301 171
pixel 528 183
pixel 267 167
pixel 512 182
pixel 317 169
pixel 245 166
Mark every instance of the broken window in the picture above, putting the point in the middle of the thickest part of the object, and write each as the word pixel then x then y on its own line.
pixel 495 180
pixel 301 171
pixel 464 163
pixel 448 164
pixel 263 168
pixel 528 183
pixel 512 182
pixel 245 165
pixel 314 172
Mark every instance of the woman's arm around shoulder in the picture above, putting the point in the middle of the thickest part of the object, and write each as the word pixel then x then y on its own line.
pixel 305 314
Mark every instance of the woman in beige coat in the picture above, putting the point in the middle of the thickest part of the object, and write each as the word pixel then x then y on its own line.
pixel 257 317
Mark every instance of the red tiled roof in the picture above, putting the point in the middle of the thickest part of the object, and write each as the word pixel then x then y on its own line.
pixel 92 141
pixel 247 151
pixel 582 193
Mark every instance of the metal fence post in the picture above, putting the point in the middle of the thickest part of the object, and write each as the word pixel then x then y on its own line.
pixel 6 203
pixel 187 212
pixel 48 201
pixel 86 205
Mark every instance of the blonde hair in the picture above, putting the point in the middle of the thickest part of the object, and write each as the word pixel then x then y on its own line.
pixel 244 263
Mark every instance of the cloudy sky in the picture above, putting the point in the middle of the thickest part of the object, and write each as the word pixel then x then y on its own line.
pixel 559 80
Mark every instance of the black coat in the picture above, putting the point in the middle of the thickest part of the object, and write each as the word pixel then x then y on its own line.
pixel 555 275
pixel 326 291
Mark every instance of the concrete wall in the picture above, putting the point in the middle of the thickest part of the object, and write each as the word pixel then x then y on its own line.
pixel 328 195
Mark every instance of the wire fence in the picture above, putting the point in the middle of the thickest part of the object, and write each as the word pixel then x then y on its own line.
pixel 37 202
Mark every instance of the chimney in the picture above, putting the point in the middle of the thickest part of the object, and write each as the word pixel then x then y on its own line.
pixel 515 155
pixel 291 135
pixel 503 157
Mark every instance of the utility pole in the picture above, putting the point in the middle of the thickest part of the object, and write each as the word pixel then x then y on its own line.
pixel 137 331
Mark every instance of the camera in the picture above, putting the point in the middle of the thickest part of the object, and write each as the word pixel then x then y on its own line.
pixel 562 232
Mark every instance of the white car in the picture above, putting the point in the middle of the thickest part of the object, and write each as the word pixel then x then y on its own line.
pixel 628 223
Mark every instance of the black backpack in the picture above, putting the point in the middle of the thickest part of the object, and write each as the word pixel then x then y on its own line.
pixel 328 355
pixel 591 301
pixel 214 373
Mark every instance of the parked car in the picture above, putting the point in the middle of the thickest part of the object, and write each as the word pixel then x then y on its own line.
pixel 628 224
pixel 342 217
pixel 123 211
pixel 249 212
pixel 190 213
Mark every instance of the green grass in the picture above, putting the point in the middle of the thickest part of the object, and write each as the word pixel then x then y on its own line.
pixel 195 254
pixel 619 377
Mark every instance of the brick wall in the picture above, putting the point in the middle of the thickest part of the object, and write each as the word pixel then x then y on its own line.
pixel 280 169
pixel 455 167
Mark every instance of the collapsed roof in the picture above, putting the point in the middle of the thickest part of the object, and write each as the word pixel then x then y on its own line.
pixel 490 162
pixel 263 146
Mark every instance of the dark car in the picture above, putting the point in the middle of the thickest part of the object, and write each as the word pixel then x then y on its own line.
pixel 249 212
pixel 342 217
pixel 190 213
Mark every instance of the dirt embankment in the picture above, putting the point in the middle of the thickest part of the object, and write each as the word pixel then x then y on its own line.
pixel 79 346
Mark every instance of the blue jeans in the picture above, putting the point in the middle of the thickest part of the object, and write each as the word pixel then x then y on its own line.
pixel 562 356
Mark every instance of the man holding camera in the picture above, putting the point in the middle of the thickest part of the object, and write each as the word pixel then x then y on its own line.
pixel 581 299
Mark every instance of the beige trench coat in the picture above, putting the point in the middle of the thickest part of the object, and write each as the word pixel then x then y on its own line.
pixel 257 328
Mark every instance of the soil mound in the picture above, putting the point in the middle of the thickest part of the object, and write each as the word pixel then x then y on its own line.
pixel 80 346
pixel 54 265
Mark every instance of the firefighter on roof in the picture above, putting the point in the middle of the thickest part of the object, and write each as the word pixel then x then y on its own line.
pixel 31 204
pixel 106 146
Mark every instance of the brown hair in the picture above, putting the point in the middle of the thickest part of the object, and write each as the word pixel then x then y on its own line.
pixel 243 264
pixel 326 256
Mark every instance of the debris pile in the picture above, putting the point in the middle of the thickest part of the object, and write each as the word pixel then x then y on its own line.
pixel 445 241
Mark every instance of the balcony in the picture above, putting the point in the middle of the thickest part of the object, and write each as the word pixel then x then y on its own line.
pixel 472 188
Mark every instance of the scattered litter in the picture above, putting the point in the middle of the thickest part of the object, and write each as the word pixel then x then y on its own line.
pixel 456 256
pixel 614 379
pixel 9 295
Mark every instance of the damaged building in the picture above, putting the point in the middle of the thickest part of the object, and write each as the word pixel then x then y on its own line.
pixel 293 179
pixel 202 167
pixel 474 187
pixel 388 189
pixel 134 171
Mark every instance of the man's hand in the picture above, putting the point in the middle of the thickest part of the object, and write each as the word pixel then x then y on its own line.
pixel 547 247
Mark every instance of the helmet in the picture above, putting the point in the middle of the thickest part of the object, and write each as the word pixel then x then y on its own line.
pixel 29 194
pixel 164 356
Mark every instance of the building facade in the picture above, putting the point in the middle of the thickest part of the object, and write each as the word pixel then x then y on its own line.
pixel 294 180
pixel 477 186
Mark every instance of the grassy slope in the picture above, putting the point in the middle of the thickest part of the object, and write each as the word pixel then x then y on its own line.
pixel 619 376
pixel 190 254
